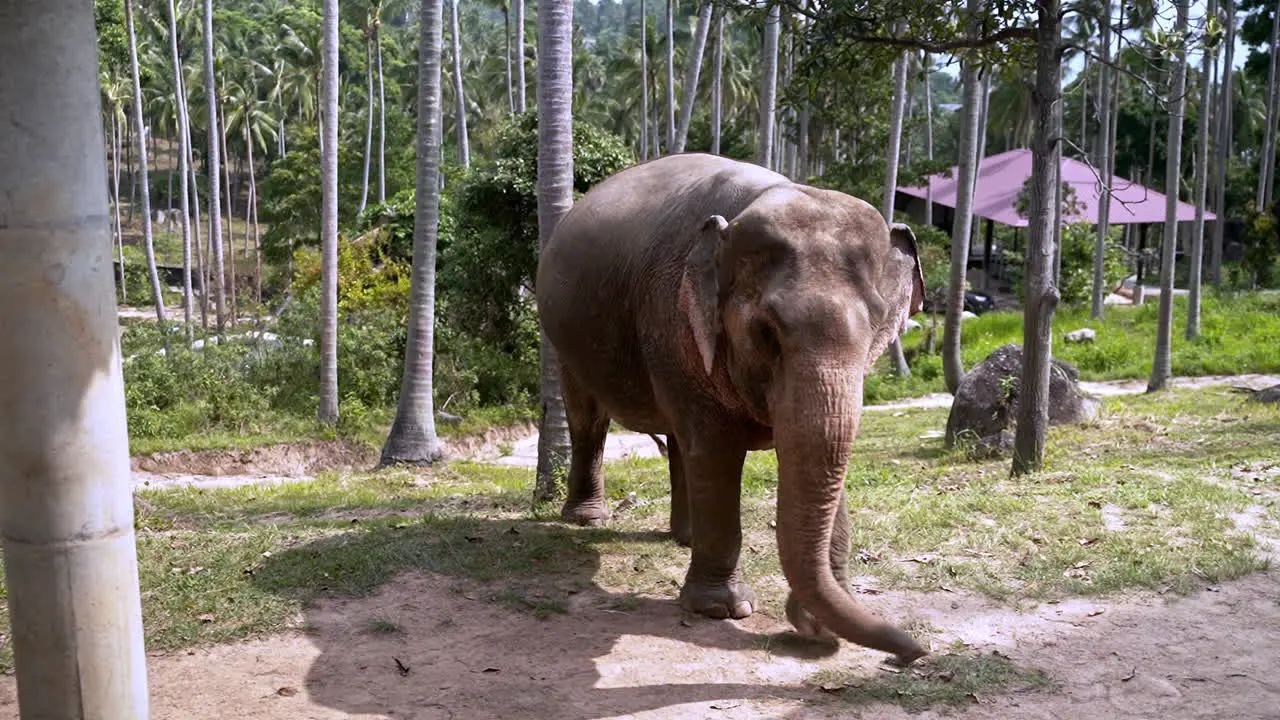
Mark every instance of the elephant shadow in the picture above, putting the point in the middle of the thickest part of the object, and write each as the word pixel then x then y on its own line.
pixel 478 618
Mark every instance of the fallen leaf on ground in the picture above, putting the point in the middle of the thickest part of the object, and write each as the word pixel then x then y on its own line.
pixel 1095 613
pixel 1085 542
pixel 287 691
pixel 1130 676
pixel 724 706
pixel 206 617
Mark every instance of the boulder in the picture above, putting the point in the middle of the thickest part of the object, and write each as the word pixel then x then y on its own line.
pixel 1268 395
pixel 986 403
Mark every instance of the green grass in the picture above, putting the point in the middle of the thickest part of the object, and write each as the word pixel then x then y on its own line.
pixel 1238 335
pixel 1141 499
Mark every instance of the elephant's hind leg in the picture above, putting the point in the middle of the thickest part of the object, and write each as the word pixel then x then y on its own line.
pixel 588 428
pixel 681 524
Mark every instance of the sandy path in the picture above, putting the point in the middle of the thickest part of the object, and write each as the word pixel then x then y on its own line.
pixel 1214 654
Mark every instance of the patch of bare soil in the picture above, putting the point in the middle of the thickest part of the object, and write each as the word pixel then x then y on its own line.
pixel 284 459
pixel 430 647
pixel 490 444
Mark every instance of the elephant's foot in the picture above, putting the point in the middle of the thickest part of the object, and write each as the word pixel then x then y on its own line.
pixel 722 600
pixel 591 513
pixel 804 623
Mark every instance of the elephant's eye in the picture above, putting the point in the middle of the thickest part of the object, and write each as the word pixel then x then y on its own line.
pixel 764 336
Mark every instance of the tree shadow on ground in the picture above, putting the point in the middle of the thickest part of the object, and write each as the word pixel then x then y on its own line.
pixel 504 618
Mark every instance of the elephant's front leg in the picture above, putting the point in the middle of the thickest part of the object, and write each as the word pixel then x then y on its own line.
pixel 713 585
pixel 800 618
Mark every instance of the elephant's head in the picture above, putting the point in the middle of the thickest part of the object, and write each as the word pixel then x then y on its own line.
pixel 797 296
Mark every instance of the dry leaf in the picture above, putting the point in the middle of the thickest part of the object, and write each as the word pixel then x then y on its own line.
pixel 1096 613
pixel 1085 542
pixel 206 617
pixel 1130 676
pixel 832 687
pixel 287 691
pixel 725 706
pixel 490 670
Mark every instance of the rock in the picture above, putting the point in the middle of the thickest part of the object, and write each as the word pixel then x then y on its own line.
pixel 1267 395
pixel 1083 335
pixel 447 418
pixel 912 325
pixel 986 403
pixel 966 315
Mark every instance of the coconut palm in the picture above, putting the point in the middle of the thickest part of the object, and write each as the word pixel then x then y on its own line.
pixel 413 436
pixel 328 412
pixel 555 197
pixel 212 162
pixel 140 128
pixel 693 67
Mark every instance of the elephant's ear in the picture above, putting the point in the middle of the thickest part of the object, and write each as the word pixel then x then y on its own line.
pixel 700 288
pixel 901 238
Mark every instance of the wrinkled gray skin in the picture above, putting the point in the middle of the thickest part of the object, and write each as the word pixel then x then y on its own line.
pixel 720 304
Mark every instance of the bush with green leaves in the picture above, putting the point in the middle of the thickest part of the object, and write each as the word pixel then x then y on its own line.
pixel 1079 244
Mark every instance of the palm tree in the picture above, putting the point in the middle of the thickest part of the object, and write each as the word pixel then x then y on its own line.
pixel 1267 169
pixel 769 86
pixel 460 99
pixel 1161 367
pixel 140 125
pixel 970 120
pixel 717 84
pixel 184 169
pixel 521 93
pixel 1226 121
pixel 555 197
pixel 1201 183
pixel 115 92
pixel 328 412
pixel 671 78
pixel 926 66
pixel 212 162
pixel 644 80
pixel 891 177
pixel 1106 161
pixel 693 67
pixel 368 132
pixel 413 436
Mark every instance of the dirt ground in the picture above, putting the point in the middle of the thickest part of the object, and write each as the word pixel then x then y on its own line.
pixel 1215 654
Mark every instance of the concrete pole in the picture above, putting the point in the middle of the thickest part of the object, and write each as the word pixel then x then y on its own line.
pixel 66 508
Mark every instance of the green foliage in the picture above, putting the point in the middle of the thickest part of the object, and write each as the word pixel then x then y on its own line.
pixel 113 41
pixel 488 265
pixel 1261 243
pixel 1078 245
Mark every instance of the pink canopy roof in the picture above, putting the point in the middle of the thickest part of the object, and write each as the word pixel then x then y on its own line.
pixel 1001 178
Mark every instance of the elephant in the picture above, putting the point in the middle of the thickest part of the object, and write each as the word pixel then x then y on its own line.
pixel 721 305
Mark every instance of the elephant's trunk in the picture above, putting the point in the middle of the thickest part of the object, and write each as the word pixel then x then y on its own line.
pixel 815 420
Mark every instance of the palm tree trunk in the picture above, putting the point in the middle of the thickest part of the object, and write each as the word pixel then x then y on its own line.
pixel 1267 172
pixel 413 436
pixel 212 162
pixel 382 121
pixel 521 94
pixel 1225 125
pixel 459 98
pixel 148 245
pixel 1161 367
pixel 1201 187
pixel 692 70
pixel 896 113
pixel 769 86
pixel 670 140
pixel 70 548
pixel 644 80
pixel 555 197
pixel 232 307
pixel 115 196
pixel 200 249
pixel 1041 295
pixel 506 34
pixel 253 209
pixel 1105 163
pixel 368 130
pixel 183 153
pixel 961 229
pixel 328 412
pixel 928 135
pixel 717 85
